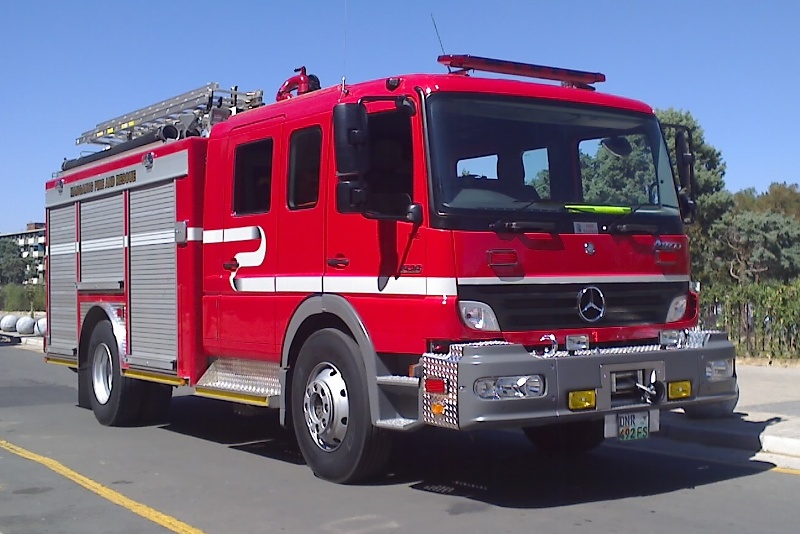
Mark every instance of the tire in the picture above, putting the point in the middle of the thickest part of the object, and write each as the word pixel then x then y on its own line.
pixel 114 398
pixel 567 439
pixel 330 410
pixel 715 410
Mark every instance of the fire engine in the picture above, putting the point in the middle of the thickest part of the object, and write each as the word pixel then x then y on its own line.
pixel 443 250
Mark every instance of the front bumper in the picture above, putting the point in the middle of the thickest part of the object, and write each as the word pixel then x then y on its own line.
pixel 459 407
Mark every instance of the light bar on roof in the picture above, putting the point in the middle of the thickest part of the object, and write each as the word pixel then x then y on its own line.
pixel 573 77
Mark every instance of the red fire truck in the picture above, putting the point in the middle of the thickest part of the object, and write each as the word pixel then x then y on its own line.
pixel 444 250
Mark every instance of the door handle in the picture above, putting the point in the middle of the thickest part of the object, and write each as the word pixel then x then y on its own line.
pixel 230 265
pixel 338 263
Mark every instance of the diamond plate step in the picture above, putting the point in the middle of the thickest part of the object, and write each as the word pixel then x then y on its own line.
pixel 398 423
pixel 250 379
pixel 398 380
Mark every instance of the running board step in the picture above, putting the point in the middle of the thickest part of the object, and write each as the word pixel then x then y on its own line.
pixel 245 381
pixel 398 380
pixel 398 423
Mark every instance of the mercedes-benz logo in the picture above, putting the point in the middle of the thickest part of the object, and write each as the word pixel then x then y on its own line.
pixel 591 304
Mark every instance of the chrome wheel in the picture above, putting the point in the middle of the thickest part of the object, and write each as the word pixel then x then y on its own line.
pixel 326 406
pixel 102 373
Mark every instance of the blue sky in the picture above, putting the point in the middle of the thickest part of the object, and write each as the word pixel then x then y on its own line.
pixel 69 64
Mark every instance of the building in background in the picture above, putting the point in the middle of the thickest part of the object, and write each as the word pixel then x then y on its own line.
pixel 31 243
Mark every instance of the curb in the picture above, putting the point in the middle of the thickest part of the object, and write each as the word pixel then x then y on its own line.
pixel 711 432
pixel 35 343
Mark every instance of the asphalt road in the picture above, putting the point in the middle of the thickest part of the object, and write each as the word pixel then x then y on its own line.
pixel 218 472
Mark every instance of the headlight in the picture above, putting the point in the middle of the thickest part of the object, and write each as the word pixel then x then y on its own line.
pixel 509 387
pixel 677 309
pixel 719 370
pixel 478 316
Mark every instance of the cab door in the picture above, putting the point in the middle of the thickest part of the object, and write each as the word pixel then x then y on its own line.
pixel 241 256
pixel 301 251
pixel 379 265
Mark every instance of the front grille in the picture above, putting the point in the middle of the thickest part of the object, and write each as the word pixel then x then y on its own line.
pixel 522 307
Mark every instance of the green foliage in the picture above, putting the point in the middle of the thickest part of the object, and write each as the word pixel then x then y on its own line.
pixel 12 266
pixel 16 297
pixel 780 198
pixel 758 245
pixel 762 319
pixel 608 179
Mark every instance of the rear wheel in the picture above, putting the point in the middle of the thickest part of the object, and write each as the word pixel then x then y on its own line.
pixel 114 398
pixel 567 438
pixel 330 410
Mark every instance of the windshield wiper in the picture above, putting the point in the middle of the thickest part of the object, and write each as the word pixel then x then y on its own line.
pixel 620 227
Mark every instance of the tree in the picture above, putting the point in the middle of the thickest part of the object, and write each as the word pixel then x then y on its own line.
pixel 759 246
pixel 779 198
pixel 12 266
pixel 713 200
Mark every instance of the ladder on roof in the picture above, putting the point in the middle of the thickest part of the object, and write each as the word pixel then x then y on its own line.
pixel 194 110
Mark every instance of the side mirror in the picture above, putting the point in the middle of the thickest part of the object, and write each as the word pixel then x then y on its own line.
pixel 414 214
pixel 685 161
pixel 351 140
pixel 351 195
pixel 618 145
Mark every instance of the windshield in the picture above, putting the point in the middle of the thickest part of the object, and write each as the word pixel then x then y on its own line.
pixel 520 158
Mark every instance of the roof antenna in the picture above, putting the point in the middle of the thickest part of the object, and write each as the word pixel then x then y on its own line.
pixel 344 52
pixel 440 41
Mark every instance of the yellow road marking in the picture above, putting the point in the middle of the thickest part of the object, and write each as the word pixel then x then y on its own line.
pixel 786 470
pixel 164 520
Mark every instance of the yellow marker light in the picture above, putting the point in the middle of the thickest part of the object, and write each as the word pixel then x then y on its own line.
pixel 582 400
pixel 437 408
pixel 679 390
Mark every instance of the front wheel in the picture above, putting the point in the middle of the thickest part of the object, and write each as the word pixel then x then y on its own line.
pixel 567 438
pixel 114 398
pixel 330 410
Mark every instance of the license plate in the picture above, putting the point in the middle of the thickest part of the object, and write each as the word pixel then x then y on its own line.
pixel 634 425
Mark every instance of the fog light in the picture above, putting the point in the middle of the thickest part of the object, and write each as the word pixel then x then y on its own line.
pixel 582 400
pixel 719 370
pixel 671 339
pixel 679 390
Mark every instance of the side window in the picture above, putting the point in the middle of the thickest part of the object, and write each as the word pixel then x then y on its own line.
pixel 537 171
pixel 305 153
pixel 252 177
pixel 390 176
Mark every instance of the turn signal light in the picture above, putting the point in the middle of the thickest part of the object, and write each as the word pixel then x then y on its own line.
pixel 582 400
pixel 437 408
pixel 679 390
